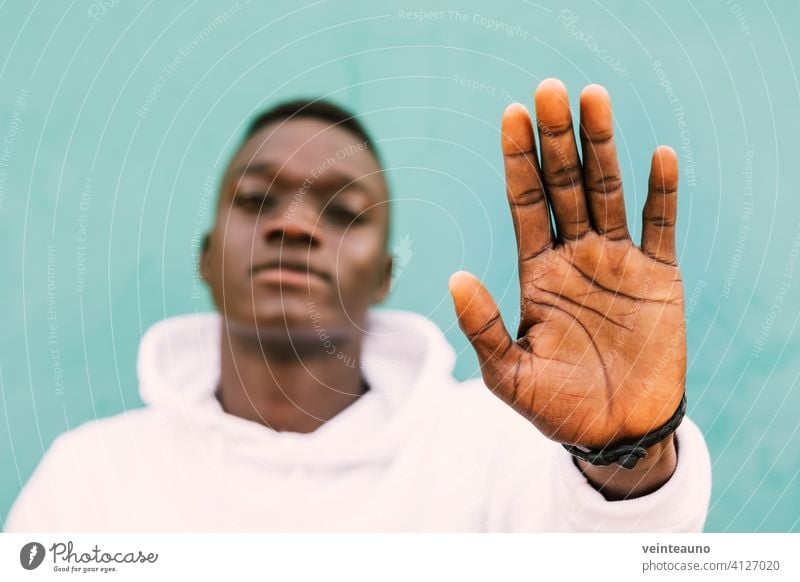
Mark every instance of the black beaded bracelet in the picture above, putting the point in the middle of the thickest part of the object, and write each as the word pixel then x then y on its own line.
pixel 628 454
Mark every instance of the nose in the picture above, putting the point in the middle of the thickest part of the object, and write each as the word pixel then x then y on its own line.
pixel 294 225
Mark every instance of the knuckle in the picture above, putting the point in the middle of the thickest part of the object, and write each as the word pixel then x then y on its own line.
pixel 605 184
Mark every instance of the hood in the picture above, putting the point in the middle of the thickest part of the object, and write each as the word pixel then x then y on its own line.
pixel 405 358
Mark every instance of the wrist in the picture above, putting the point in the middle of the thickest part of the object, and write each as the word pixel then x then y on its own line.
pixel 628 454
pixel 616 483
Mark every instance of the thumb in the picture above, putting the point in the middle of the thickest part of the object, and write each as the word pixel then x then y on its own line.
pixel 480 320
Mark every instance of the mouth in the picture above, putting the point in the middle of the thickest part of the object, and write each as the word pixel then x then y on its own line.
pixel 288 273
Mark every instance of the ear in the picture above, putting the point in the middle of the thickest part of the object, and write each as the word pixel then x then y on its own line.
pixel 205 267
pixel 385 284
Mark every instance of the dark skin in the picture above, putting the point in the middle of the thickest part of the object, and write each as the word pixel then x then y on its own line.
pixel 296 257
pixel 601 349
pixel 598 313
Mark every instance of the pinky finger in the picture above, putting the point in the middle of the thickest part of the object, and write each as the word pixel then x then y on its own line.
pixel 661 208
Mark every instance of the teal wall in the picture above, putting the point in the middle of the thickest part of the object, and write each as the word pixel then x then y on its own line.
pixel 100 186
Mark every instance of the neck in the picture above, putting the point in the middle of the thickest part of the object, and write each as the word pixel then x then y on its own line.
pixel 288 383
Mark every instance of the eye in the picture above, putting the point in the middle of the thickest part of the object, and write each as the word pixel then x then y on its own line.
pixel 253 201
pixel 343 215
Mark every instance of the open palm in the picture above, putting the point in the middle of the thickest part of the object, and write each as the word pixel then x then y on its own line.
pixel 600 354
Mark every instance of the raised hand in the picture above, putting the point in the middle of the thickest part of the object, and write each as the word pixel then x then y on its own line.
pixel 600 354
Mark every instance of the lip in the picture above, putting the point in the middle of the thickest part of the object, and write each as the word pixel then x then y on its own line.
pixel 289 274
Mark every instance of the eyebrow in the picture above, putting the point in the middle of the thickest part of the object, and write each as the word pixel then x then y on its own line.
pixel 328 176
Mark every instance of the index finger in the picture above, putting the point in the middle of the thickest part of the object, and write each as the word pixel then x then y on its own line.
pixel 524 188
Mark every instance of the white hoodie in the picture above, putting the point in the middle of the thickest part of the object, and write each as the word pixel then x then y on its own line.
pixel 418 452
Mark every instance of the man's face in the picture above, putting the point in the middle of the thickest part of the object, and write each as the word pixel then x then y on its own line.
pixel 299 244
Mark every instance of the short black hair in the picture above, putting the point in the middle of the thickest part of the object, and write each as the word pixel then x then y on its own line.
pixel 319 108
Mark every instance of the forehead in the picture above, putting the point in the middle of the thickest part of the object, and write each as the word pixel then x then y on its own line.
pixel 309 145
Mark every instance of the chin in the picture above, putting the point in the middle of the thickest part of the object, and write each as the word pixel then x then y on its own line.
pixel 298 313
pixel 289 313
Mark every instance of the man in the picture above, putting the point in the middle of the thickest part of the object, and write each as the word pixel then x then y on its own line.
pixel 300 408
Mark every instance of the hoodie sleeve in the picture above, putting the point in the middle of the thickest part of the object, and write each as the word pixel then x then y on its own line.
pixel 680 505
pixel 36 508
pixel 534 484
